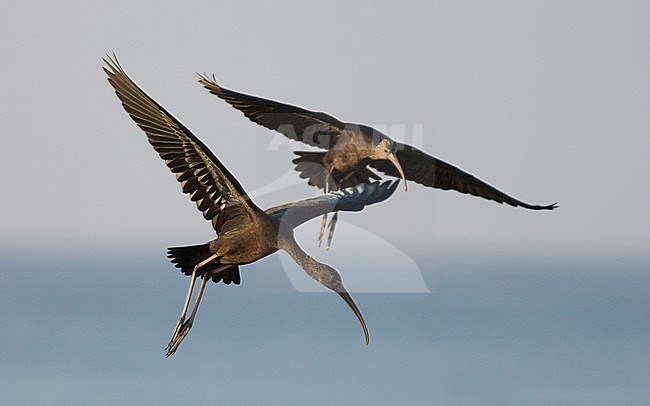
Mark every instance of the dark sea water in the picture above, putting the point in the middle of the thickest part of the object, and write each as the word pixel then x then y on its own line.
pixel 87 330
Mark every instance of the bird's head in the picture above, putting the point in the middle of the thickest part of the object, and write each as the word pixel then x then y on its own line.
pixel 386 149
pixel 328 277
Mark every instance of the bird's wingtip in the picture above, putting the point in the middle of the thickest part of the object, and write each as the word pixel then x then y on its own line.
pixel 552 206
pixel 209 82
pixel 392 186
pixel 111 60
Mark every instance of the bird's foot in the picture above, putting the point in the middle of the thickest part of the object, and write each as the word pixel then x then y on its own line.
pixel 178 338
pixel 179 324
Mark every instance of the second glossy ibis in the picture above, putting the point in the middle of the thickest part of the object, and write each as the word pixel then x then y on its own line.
pixel 352 150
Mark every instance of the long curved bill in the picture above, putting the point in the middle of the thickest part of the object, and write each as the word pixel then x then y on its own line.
pixel 348 299
pixel 393 159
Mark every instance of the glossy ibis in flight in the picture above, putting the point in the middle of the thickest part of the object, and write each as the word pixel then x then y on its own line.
pixel 352 149
pixel 245 232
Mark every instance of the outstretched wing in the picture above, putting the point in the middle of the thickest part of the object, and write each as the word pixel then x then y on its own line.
pixel 354 198
pixel 314 128
pixel 429 171
pixel 216 192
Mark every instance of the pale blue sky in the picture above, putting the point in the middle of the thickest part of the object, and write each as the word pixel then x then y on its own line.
pixel 547 101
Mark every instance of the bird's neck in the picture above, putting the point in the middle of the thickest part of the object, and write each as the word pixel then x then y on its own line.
pixel 288 244
pixel 311 267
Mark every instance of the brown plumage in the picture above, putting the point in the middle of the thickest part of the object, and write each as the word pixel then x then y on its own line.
pixel 353 149
pixel 245 232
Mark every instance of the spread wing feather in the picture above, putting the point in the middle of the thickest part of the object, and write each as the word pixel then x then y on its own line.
pixel 218 195
pixel 429 171
pixel 354 198
pixel 317 129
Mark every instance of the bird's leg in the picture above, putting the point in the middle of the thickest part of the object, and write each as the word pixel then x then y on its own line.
pixel 321 233
pixel 323 221
pixel 333 220
pixel 186 305
pixel 187 325
pixel 335 217
pixel 181 319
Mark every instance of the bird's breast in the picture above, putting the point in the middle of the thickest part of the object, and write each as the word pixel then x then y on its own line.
pixel 347 159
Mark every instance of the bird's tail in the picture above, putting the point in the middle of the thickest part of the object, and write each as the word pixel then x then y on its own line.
pixel 186 258
pixel 310 166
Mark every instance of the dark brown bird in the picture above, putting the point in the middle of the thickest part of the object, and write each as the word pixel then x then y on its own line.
pixel 245 232
pixel 352 149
